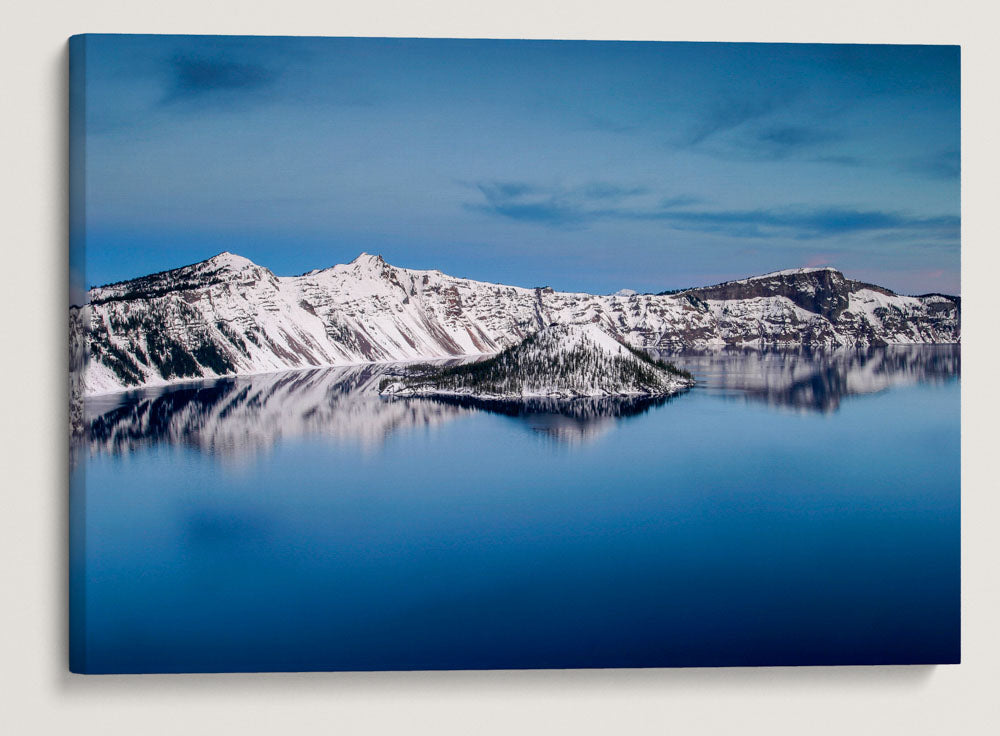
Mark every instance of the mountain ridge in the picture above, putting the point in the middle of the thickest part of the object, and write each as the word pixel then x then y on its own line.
pixel 230 316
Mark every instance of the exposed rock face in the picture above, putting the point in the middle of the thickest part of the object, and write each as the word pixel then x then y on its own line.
pixel 823 291
pixel 228 316
pixel 852 312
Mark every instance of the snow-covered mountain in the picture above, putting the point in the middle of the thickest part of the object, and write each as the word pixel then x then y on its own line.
pixel 559 361
pixel 227 315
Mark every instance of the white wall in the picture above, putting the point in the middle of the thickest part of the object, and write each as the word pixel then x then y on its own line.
pixel 37 695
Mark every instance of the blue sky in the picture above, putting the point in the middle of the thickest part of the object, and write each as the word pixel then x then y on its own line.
pixel 582 165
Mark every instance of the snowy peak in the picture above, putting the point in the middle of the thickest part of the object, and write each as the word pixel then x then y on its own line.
pixel 219 268
pixel 368 260
pixel 228 261
pixel 366 263
pixel 365 268
pixel 228 265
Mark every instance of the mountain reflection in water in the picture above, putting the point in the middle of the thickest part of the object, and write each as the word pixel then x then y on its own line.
pixel 238 418
pixel 243 416
pixel 816 380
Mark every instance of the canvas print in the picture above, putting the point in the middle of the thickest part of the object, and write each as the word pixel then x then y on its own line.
pixel 394 354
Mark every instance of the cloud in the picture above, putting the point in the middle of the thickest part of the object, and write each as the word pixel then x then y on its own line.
pixel 946 164
pixel 507 189
pixel 782 141
pixel 609 125
pixel 604 191
pixel 729 113
pixel 196 77
pixel 759 129
pixel 840 160
pixel 775 142
pixel 602 201
pixel 794 136
pixel 806 223
pixel 564 207
pixel 680 200
pixel 727 116
pixel 525 203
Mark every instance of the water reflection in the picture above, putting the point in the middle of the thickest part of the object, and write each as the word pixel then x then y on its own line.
pixel 571 421
pixel 241 417
pixel 238 418
pixel 814 380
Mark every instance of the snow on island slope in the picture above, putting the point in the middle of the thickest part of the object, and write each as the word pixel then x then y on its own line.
pixel 560 361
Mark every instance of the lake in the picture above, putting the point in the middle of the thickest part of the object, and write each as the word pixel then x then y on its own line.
pixel 793 508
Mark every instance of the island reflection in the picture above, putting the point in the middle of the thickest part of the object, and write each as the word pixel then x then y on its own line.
pixel 566 420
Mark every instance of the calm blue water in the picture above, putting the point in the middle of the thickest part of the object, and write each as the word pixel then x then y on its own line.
pixel 791 509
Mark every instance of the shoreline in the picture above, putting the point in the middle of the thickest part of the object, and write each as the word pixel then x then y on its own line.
pixel 466 356
pixel 297 369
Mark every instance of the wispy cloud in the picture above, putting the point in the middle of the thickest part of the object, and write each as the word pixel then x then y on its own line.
pixel 839 160
pixel 201 78
pixel 782 141
pixel 679 200
pixel 730 112
pixel 728 115
pixel 607 124
pixel 778 142
pixel 600 190
pixel 806 223
pixel 525 203
pixel 946 164
pixel 555 206
pixel 597 201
